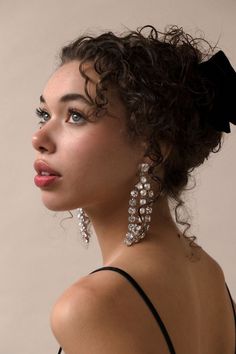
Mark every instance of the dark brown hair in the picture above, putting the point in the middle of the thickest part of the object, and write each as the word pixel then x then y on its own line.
pixel 156 74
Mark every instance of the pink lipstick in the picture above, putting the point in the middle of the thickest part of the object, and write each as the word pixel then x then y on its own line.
pixel 43 181
pixel 46 175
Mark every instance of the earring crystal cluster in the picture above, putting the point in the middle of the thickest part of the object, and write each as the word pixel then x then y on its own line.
pixel 140 209
pixel 83 225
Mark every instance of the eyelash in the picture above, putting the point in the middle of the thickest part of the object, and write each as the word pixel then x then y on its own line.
pixel 41 114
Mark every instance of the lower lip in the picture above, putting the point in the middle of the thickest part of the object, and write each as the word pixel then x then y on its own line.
pixel 44 181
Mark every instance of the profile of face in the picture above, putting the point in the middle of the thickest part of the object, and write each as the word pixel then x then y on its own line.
pixel 95 163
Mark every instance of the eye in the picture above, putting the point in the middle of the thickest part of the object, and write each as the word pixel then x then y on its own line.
pixel 43 115
pixel 75 117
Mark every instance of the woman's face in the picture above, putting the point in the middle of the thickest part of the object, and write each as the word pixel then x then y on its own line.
pixel 95 161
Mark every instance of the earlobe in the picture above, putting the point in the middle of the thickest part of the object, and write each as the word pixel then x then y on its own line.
pixel 144 145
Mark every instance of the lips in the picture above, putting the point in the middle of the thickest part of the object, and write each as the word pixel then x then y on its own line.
pixel 42 168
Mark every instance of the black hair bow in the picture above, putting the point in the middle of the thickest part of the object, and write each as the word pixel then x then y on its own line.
pixel 222 76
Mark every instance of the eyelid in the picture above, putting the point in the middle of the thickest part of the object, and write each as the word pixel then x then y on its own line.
pixel 72 111
pixel 40 113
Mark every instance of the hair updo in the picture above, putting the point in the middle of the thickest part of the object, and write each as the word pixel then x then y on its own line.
pixel 156 75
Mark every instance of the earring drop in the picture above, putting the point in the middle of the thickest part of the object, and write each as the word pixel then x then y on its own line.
pixel 84 222
pixel 139 210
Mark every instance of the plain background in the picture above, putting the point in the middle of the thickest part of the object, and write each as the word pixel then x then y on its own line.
pixel 39 258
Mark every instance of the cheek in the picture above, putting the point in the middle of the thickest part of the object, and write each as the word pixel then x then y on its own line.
pixel 100 158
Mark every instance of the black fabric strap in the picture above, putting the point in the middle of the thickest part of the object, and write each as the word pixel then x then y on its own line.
pixel 147 301
pixel 232 303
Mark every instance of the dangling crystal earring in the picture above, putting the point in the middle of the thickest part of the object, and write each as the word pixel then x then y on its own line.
pixel 84 222
pixel 139 207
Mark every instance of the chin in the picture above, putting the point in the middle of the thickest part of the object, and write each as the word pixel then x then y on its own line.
pixel 54 204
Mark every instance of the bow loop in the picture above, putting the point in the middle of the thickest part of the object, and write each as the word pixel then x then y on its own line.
pixel 222 76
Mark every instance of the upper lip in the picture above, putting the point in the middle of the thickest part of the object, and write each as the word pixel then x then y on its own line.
pixel 41 166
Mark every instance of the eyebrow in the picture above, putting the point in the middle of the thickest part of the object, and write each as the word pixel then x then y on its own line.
pixel 69 97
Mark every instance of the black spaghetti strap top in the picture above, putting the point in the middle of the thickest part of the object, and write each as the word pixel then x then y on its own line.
pixel 151 306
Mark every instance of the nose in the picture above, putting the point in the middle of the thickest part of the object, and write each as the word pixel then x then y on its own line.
pixel 43 142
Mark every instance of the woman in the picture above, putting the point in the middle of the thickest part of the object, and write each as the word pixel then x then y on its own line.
pixel 124 120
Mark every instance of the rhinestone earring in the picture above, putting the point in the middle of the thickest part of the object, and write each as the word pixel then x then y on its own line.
pixel 140 209
pixel 84 222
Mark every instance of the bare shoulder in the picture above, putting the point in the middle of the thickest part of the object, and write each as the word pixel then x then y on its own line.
pixel 212 266
pixel 216 265
pixel 217 274
pixel 88 317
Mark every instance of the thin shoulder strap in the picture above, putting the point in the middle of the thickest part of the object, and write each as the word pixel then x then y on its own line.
pixel 232 303
pixel 147 301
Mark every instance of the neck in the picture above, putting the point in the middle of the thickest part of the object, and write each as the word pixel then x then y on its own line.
pixel 111 224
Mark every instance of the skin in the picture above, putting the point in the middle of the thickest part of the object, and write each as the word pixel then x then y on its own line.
pixel 99 167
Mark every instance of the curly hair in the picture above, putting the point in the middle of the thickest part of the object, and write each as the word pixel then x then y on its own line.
pixel 156 75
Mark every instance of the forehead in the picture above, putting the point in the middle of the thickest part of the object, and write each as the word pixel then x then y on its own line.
pixel 68 78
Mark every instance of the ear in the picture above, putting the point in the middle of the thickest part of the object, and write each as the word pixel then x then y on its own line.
pixel 165 150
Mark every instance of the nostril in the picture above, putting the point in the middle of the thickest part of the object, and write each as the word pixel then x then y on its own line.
pixel 42 149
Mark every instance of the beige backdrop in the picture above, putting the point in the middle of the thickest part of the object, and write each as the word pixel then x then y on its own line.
pixel 38 258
